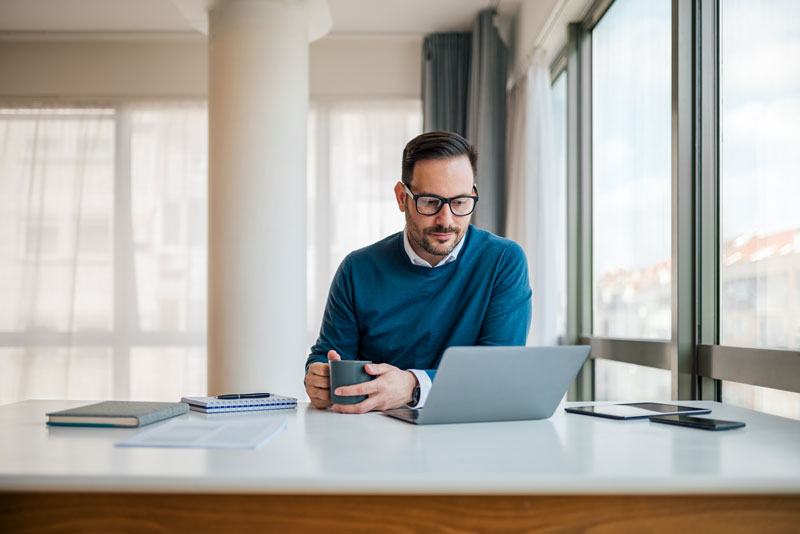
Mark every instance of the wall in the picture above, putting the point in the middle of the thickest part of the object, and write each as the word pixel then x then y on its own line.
pixel 176 67
pixel 544 23
pixel 533 15
pixel 366 66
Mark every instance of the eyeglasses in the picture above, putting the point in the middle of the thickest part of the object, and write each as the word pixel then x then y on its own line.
pixel 460 206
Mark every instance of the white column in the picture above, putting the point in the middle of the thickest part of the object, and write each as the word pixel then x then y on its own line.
pixel 257 105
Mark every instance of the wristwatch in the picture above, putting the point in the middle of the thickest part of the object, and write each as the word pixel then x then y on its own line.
pixel 414 397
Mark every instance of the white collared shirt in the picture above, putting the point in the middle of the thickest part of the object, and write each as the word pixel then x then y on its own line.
pixel 417 260
pixel 422 377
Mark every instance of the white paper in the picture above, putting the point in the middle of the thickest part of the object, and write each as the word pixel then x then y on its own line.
pixel 249 434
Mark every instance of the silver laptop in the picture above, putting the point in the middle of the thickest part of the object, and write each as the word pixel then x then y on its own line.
pixel 490 383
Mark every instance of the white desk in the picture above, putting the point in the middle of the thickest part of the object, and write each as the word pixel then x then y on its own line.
pixel 444 474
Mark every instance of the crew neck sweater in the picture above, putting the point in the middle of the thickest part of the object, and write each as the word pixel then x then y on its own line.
pixel 384 309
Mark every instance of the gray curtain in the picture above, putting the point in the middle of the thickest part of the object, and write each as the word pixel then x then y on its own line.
pixel 486 120
pixel 445 78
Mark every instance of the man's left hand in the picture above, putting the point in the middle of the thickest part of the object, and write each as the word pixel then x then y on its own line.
pixel 392 388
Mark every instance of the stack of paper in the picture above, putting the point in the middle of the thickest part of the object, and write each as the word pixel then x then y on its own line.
pixel 215 405
pixel 209 434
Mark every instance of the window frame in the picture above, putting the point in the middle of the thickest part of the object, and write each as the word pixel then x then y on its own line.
pixel 121 338
pixel 694 355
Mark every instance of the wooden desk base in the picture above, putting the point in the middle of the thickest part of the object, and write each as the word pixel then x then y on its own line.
pixel 325 514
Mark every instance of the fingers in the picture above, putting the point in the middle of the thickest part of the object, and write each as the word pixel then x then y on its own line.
pixel 319 368
pixel 318 381
pixel 362 407
pixel 364 388
pixel 320 403
pixel 390 390
pixel 379 368
pixel 320 397
pixel 317 384
pixel 333 355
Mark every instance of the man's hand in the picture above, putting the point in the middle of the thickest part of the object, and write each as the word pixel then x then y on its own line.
pixel 393 387
pixel 318 382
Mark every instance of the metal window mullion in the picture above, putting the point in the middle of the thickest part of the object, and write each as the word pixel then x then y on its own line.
pixel 649 353
pixel 587 376
pixel 770 368
pixel 102 338
pixel 585 186
pixel 559 63
pixel 682 349
pixel 708 214
pixel 594 13
pixel 578 257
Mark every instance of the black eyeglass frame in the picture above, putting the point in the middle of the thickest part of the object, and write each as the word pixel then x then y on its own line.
pixel 444 201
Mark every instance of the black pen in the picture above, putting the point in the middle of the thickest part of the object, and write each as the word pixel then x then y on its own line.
pixel 244 396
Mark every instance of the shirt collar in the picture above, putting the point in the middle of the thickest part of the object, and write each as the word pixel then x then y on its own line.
pixel 416 260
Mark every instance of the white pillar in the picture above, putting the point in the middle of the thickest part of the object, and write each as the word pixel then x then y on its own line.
pixel 257 106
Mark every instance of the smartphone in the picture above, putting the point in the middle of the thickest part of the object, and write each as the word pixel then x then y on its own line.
pixel 697 422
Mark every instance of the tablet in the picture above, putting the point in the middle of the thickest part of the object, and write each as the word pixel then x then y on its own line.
pixel 635 410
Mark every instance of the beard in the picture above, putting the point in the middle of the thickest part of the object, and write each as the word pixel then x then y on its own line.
pixel 430 244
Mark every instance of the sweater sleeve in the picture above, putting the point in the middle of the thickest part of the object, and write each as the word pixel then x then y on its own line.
pixel 508 315
pixel 339 330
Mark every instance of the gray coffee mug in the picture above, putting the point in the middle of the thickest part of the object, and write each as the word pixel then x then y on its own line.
pixel 347 373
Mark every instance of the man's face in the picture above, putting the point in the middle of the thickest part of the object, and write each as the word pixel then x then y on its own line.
pixel 434 236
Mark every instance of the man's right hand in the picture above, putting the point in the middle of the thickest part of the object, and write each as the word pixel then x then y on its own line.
pixel 318 382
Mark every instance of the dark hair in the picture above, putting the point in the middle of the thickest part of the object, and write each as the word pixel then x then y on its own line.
pixel 436 145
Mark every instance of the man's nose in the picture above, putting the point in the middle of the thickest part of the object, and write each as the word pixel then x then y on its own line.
pixel 445 216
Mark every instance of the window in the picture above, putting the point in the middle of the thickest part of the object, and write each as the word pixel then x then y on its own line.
pixel 631 177
pixel 760 111
pixel 100 274
pixel 627 382
pixel 56 197
pixel 354 160
pixel 720 104
pixel 760 222
pixel 631 190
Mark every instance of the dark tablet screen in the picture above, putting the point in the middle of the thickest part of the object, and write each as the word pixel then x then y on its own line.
pixel 635 410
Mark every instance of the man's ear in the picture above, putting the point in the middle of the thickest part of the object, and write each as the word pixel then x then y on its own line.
pixel 400 193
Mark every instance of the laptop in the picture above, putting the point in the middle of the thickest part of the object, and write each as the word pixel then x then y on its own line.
pixel 491 383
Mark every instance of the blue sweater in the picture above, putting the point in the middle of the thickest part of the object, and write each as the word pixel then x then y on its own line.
pixel 383 308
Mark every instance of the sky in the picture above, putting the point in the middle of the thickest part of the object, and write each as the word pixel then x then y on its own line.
pixel 760 136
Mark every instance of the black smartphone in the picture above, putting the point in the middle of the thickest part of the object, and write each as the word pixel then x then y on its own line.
pixel 697 422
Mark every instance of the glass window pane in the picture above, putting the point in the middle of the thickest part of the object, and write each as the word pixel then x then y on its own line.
pixel 774 401
pixel 631 170
pixel 71 373
pixel 167 373
pixel 169 181
pixel 66 268
pixel 620 381
pixel 760 113
pixel 56 219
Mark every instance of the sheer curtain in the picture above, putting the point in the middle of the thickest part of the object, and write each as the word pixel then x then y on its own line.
pixel 102 263
pixel 537 197
pixel 103 234
pixel 354 159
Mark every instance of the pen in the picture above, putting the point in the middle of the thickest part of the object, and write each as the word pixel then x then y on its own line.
pixel 244 396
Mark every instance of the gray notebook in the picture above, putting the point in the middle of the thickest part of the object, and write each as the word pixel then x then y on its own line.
pixel 117 413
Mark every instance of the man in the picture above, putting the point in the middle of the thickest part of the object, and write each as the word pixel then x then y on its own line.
pixel 440 283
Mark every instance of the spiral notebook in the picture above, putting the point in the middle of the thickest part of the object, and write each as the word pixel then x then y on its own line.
pixel 215 405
